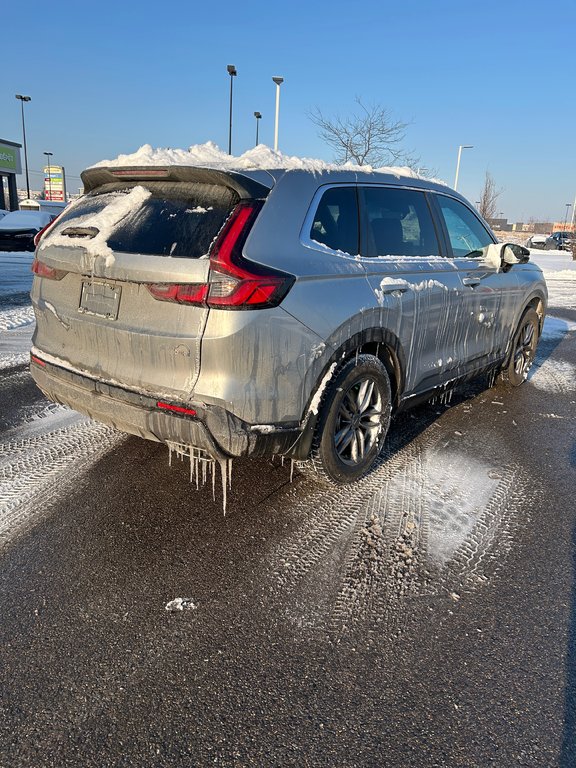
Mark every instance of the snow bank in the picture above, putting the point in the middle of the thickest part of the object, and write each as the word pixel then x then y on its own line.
pixel 556 265
pixel 258 158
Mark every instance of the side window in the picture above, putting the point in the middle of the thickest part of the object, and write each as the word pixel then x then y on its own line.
pixel 397 222
pixel 336 220
pixel 467 233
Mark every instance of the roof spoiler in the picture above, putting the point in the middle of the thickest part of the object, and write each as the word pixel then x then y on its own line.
pixel 244 186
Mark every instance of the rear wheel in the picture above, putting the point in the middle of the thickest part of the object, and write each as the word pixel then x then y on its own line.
pixel 353 421
pixel 524 343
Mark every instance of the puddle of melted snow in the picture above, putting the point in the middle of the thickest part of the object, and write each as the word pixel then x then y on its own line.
pixel 452 492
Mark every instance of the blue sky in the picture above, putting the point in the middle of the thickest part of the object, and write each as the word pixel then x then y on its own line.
pixel 107 77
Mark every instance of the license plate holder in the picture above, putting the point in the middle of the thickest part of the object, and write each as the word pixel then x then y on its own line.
pixel 100 298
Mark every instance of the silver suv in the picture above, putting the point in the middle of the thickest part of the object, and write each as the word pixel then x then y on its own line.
pixel 273 311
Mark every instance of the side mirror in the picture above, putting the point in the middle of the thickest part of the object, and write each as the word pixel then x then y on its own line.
pixel 512 253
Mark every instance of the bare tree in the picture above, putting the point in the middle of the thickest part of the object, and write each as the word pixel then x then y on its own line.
pixel 489 198
pixel 368 137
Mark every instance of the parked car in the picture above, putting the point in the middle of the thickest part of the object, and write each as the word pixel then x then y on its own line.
pixel 19 228
pixel 536 241
pixel 560 241
pixel 274 312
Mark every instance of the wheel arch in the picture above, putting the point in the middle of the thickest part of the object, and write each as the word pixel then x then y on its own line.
pixel 380 342
pixel 536 302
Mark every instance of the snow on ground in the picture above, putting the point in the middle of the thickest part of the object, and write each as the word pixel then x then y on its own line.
pixel 15 275
pixel 15 342
pixel 560 272
pixel 16 316
pixel 556 265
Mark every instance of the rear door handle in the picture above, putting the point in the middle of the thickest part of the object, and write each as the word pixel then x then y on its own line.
pixel 471 282
pixel 395 288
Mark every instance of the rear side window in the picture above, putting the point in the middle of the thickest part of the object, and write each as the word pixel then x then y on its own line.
pixel 176 219
pixel 335 223
pixel 467 234
pixel 397 222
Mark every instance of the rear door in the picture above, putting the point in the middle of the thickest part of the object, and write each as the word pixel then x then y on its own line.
pixel 117 252
pixel 416 288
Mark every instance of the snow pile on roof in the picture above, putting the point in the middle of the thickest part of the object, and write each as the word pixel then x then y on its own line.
pixel 258 158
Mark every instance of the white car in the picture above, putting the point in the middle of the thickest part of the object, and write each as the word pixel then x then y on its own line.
pixel 536 241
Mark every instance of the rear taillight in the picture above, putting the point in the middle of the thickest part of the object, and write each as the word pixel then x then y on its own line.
pixel 234 282
pixel 43 270
pixel 180 293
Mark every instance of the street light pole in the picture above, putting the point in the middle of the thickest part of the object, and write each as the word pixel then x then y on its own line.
pixel 566 216
pixel 48 156
pixel 460 148
pixel 278 81
pixel 258 116
pixel 232 72
pixel 22 99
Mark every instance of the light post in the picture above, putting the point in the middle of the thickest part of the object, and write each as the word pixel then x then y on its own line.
pixel 460 148
pixel 566 217
pixel 232 72
pixel 22 99
pixel 278 81
pixel 258 117
pixel 48 156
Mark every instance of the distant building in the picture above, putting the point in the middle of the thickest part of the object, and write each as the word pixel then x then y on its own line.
pixel 501 225
pixel 542 227
pixel 562 226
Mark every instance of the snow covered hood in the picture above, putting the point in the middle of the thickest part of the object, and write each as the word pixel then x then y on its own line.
pixel 21 221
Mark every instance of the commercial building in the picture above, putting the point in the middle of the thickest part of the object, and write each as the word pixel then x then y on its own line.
pixel 10 167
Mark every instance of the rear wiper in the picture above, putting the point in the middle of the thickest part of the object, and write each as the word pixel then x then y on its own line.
pixel 81 231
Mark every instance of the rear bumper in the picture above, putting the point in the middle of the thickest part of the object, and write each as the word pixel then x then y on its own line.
pixel 213 429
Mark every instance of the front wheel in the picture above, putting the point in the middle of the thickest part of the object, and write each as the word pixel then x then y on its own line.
pixel 524 343
pixel 353 421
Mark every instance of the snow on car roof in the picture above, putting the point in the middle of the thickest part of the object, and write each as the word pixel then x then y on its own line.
pixel 262 157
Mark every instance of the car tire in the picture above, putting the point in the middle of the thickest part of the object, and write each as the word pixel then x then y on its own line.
pixel 524 343
pixel 354 416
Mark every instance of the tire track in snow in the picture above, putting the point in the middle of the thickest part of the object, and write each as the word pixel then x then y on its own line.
pixel 549 372
pixel 343 529
pixel 36 470
pixel 434 518
pixel 554 376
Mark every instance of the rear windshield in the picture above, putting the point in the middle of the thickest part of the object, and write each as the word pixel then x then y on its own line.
pixel 166 219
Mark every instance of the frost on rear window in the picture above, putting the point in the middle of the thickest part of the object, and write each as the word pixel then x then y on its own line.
pixel 175 220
